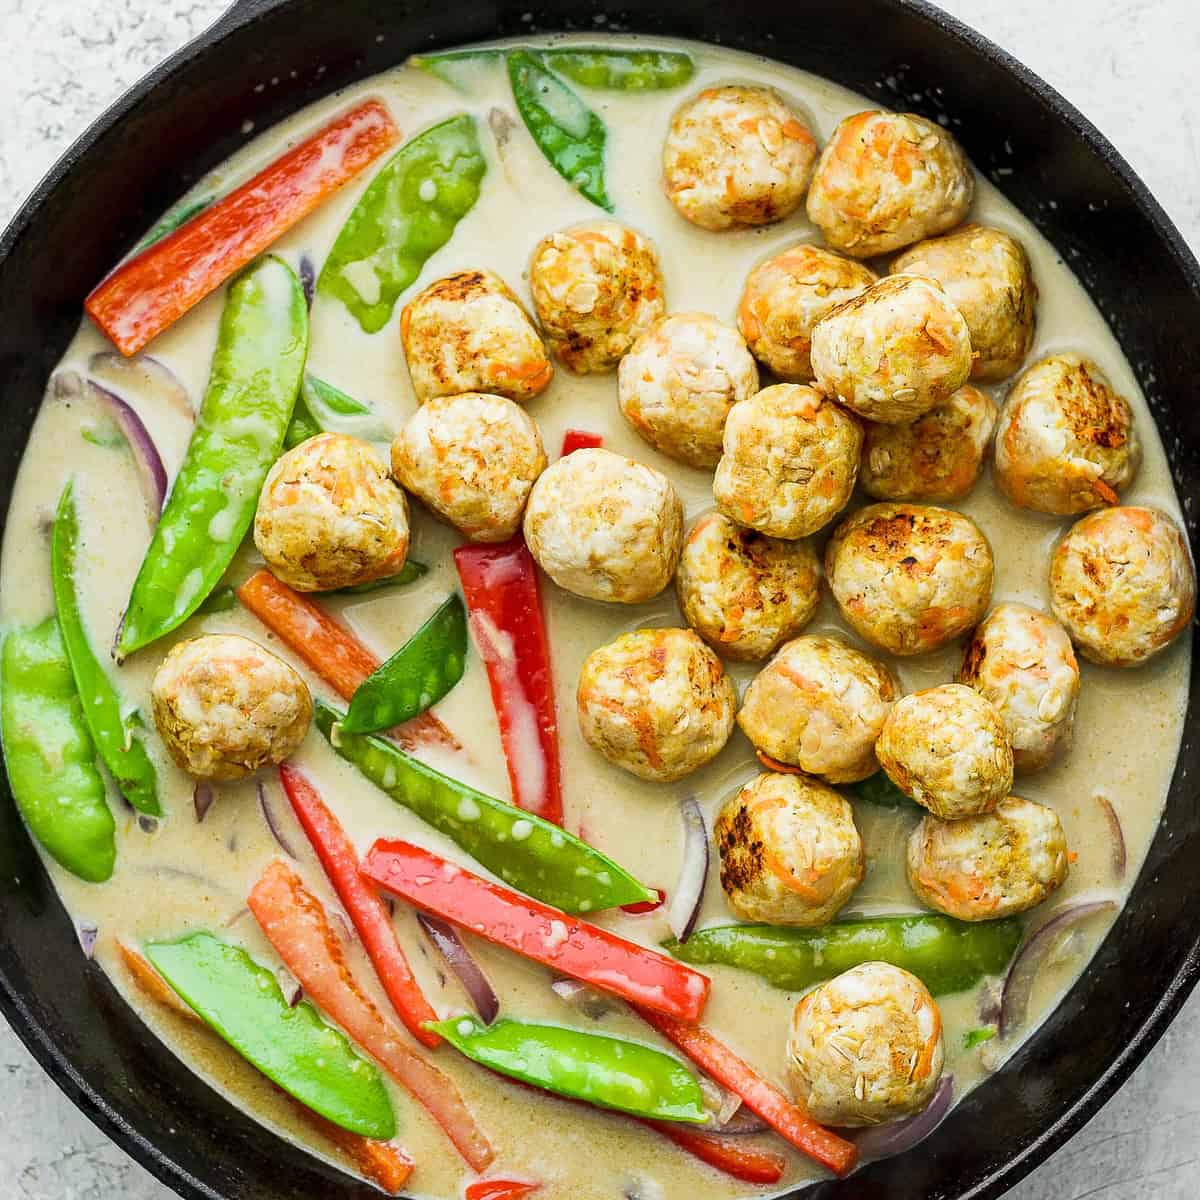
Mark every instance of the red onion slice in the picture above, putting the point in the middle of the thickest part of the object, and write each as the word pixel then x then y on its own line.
pixel 272 823
pixel 1018 984
pixel 742 1123
pixel 143 377
pixel 308 278
pixel 475 983
pixel 202 798
pixel 886 1141
pixel 152 475
pixel 87 932
pixel 1118 837
pixel 689 891
pixel 579 995
pixel 289 985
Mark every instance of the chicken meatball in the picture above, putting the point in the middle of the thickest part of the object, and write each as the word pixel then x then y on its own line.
pixel 986 273
pixel 473 460
pixel 468 333
pixel 786 296
pixel 605 527
pixel 656 702
pixel 329 516
pixel 597 288
pixel 790 851
pixel 1022 661
pixel 679 381
pixel 790 462
pixel 819 705
pixel 992 865
pixel 737 156
pixel 225 707
pixel 743 592
pixel 948 749
pixel 886 180
pixel 893 352
pixel 1122 583
pixel 866 1047
pixel 938 457
pixel 1065 441
pixel 909 577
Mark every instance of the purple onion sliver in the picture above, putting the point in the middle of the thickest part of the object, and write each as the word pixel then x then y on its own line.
pixel 202 798
pixel 474 982
pixel 237 916
pixel 743 1123
pixel 1118 837
pixel 308 278
pixel 886 1141
pixel 579 995
pixel 272 824
pixel 989 1003
pixel 142 376
pixel 289 986
pixel 151 473
pixel 147 824
pixel 87 932
pixel 345 929
pixel 684 909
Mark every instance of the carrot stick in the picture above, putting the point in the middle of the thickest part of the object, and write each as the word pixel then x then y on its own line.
pixel 151 291
pixel 152 983
pixel 724 1153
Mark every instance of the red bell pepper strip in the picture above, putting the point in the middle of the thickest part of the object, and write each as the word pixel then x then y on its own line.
pixel 500 584
pixel 297 926
pixel 580 439
pixel 151 291
pixel 361 903
pixel 499 1189
pixel 641 907
pixel 717 1060
pixel 727 1154
pixel 331 651
pixel 546 935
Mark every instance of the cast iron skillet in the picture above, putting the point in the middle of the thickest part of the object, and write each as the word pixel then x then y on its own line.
pixel 188 115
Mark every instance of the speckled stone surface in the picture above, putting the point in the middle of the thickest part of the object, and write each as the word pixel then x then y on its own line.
pixel 1128 64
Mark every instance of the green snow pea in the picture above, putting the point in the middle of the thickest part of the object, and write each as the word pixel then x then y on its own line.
pixel 458 68
pixel 219 600
pixel 293 1047
pixel 409 573
pixel 120 749
pixel 409 211
pixel 878 789
pixel 945 954
pixel 49 754
pixel 566 131
pixel 528 853
pixel 320 407
pixel 177 215
pixel 607 1071
pixel 256 371
pixel 417 676
pixel 620 70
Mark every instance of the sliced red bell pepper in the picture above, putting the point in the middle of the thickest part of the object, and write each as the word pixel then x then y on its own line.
pixel 580 439
pixel 297 926
pixel 717 1060
pixel 499 1189
pixel 727 1154
pixel 541 933
pixel 362 904
pixel 641 907
pixel 500 584
pixel 151 291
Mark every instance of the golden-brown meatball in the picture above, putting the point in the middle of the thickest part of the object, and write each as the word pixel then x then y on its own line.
pixel 473 460
pixel 597 288
pixel 1123 585
pixel 893 352
pixel 948 749
pixel 679 381
pixel 866 1047
pixel 225 707
pixel 605 527
pixel 469 333
pixel 743 592
pixel 656 702
pixel 790 462
pixel 737 156
pixel 1065 441
pixel 329 515
pixel 819 705
pixel 938 457
pixel 787 295
pixel 1022 661
pixel 992 865
pixel 986 273
pixel 790 851
pixel 909 577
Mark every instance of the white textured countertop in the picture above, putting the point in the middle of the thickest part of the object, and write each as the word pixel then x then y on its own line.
pixel 1128 64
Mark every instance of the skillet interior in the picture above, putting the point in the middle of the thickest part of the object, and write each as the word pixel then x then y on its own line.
pixel 1054 166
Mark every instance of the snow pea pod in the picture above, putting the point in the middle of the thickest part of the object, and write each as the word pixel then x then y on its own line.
pixel 256 372
pixel 292 1046
pixel 458 68
pixel 172 219
pixel 529 854
pixel 321 407
pixel 945 954
pixel 409 573
pixel 409 211
pixel 417 676
pixel 606 1071
pixel 122 752
pixel 566 131
pixel 880 790
pixel 49 754
pixel 621 70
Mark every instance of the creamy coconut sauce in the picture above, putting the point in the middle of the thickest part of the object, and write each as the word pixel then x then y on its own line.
pixel 186 875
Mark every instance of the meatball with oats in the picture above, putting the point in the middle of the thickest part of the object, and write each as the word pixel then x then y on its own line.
pixel 743 592
pixel 329 515
pixel 679 381
pixel 790 851
pixel 656 702
pixel 909 577
pixel 605 527
pixel 225 707
pixel 472 459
